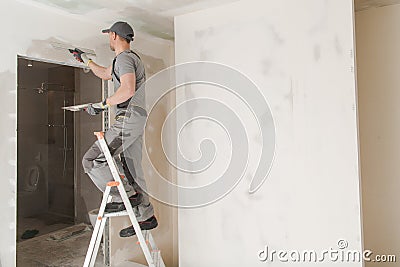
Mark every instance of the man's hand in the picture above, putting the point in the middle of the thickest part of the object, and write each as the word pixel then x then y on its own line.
pixel 80 56
pixel 96 108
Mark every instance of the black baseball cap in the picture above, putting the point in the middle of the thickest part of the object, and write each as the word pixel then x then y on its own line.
pixel 121 28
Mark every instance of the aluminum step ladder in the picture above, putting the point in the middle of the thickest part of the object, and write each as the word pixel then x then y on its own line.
pixel 145 239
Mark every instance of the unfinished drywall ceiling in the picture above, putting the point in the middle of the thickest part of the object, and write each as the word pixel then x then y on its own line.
pixel 366 4
pixel 151 16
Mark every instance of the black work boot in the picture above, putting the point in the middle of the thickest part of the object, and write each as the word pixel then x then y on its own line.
pixel 135 200
pixel 145 225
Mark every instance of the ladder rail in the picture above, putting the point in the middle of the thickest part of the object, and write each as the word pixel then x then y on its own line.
pixel 97 244
pixel 159 261
pixel 89 254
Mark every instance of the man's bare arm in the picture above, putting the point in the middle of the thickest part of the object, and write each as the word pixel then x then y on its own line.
pixel 99 71
pixel 126 90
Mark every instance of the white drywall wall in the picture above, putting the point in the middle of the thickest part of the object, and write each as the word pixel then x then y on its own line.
pixel 378 42
pixel 300 54
pixel 27 32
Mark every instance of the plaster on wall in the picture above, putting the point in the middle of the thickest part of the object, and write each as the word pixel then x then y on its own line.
pixel 8 166
pixel 310 200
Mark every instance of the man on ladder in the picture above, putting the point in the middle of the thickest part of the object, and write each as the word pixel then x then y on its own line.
pixel 124 138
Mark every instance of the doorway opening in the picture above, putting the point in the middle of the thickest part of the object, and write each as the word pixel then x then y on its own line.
pixel 53 191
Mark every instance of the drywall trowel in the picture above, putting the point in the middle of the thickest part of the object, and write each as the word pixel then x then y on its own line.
pixel 69 47
pixel 76 108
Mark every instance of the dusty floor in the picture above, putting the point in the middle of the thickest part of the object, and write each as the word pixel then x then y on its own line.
pixel 44 223
pixel 42 252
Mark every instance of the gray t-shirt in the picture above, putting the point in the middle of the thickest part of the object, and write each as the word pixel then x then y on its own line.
pixel 129 62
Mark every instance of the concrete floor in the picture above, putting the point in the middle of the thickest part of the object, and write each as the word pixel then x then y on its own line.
pixel 41 251
pixel 69 251
pixel 44 223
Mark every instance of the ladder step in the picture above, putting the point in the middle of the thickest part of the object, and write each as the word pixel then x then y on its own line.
pixel 116 214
